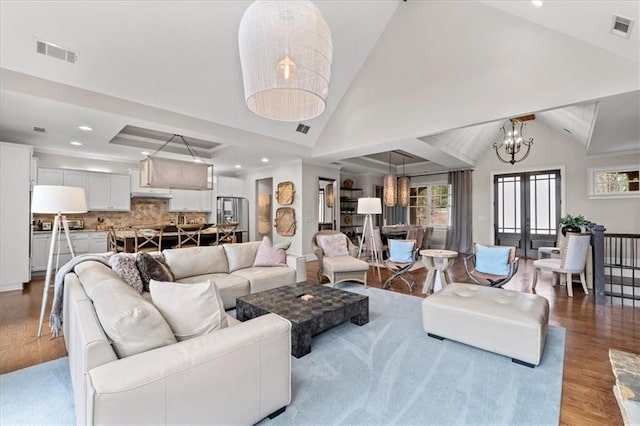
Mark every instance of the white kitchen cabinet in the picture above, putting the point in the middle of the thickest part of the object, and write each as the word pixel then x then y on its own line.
pixel 15 216
pixel 83 242
pixel 40 251
pixel 50 176
pixel 67 177
pixel 185 200
pixel 106 191
pixel 229 186
pixel 97 242
pixel 75 178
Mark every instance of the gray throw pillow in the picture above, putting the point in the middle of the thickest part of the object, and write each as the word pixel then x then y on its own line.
pixel 152 268
pixel 124 264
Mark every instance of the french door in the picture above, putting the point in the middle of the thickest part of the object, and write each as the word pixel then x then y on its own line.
pixel 527 210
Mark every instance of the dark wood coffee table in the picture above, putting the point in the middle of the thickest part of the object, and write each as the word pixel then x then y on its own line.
pixel 328 308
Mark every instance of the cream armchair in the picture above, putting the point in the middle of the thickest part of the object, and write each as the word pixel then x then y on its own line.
pixel 339 268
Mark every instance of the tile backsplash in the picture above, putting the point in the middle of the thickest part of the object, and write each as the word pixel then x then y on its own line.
pixel 144 211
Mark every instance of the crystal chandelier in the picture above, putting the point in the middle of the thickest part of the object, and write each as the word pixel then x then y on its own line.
pixel 285 55
pixel 513 141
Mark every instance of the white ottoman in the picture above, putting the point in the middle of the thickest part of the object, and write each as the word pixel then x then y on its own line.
pixel 506 322
pixel 345 268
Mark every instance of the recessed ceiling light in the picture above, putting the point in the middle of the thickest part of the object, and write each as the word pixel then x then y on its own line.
pixel 265 160
pixel 238 166
pixel 76 143
pixel 537 3
pixel 145 153
pixel 197 160
pixel 85 128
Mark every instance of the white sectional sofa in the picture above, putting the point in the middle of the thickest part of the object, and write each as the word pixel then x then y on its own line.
pixel 236 375
pixel 231 267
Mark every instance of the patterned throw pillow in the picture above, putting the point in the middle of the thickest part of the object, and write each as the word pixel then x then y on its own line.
pixel 190 309
pixel 333 245
pixel 152 268
pixel 124 264
pixel 268 255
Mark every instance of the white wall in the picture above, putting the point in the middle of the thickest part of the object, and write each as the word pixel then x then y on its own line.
pixel 291 171
pixel 552 150
pixel 305 202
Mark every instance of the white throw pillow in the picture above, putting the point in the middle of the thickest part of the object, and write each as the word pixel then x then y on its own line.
pixel 190 309
pixel 333 245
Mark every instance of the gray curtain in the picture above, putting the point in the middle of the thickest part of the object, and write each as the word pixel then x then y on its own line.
pixel 459 234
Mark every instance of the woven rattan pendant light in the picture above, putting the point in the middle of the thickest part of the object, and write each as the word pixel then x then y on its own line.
pixel 285 55
pixel 403 188
pixel 389 192
pixel 329 194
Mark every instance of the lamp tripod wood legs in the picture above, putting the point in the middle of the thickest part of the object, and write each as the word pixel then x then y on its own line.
pixel 367 234
pixel 55 238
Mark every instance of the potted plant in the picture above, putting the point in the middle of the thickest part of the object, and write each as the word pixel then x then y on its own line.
pixel 572 223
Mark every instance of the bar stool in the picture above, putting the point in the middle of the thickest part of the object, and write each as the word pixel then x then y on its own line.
pixel 226 232
pixel 189 235
pixel 148 237
pixel 113 244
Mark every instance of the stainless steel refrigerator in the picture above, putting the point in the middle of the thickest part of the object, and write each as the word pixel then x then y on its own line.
pixel 234 209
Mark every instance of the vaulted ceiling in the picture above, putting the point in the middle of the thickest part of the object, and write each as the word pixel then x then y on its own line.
pixel 433 79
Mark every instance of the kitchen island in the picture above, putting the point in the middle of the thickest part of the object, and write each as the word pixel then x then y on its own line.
pixel 208 236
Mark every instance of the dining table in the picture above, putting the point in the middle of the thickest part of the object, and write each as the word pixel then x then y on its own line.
pixel 208 235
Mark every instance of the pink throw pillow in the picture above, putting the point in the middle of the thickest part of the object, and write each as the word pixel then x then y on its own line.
pixel 268 255
pixel 333 245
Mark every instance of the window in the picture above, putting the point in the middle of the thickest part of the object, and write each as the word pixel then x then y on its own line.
pixel 615 182
pixel 430 205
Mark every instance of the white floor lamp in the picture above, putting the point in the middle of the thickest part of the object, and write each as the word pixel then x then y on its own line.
pixel 56 199
pixel 369 206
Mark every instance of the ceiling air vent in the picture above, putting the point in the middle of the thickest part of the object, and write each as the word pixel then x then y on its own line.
pixel 621 26
pixel 55 51
pixel 39 129
pixel 302 128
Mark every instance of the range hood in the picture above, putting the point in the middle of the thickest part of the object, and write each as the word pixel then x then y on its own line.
pixel 163 195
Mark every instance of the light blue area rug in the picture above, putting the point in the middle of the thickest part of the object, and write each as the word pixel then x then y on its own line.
pixel 38 395
pixel 389 372
pixel 385 372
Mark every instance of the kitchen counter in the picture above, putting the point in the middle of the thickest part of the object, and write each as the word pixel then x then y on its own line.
pixel 38 231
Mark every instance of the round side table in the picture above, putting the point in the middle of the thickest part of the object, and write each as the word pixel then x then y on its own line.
pixel 430 259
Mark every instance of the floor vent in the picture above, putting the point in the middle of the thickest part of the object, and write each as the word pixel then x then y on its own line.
pixel 621 26
pixel 302 128
pixel 55 51
pixel 39 129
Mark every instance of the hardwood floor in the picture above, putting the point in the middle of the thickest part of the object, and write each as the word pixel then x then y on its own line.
pixel 587 397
